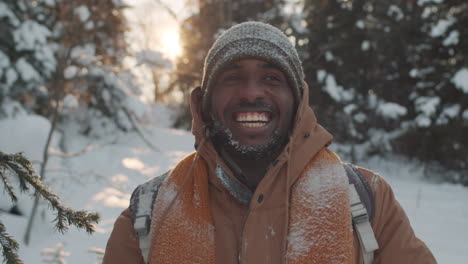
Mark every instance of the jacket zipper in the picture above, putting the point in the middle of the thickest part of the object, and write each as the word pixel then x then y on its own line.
pixel 239 256
pixel 241 242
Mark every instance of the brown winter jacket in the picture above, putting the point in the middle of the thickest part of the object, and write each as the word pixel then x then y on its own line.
pixel 257 232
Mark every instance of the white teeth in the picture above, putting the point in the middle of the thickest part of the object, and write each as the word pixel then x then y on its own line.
pixel 252 117
pixel 253 124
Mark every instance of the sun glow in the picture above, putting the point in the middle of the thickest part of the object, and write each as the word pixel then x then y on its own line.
pixel 170 43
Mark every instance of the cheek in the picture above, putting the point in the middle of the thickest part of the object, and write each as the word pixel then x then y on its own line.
pixel 217 105
pixel 287 107
pixel 285 98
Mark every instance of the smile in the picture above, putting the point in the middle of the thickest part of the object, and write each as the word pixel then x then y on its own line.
pixel 252 119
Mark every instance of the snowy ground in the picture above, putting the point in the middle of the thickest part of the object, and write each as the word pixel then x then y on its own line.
pixel 101 180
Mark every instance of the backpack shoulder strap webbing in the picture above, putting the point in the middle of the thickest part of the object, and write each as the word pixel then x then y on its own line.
pixel 141 208
pixel 362 211
pixel 362 187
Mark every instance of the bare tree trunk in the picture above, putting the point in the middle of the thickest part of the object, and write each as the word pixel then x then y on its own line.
pixel 59 91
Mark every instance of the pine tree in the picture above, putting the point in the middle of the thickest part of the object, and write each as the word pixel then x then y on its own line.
pixel 359 55
pixel 75 46
pixel 440 98
pixel 382 74
pixel 332 49
pixel 91 35
pixel 27 59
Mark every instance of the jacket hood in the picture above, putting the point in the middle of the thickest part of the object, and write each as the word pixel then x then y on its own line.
pixel 306 139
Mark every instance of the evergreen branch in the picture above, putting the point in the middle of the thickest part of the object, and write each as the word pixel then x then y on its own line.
pixel 21 166
pixel 80 219
pixel 9 247
pixel 7 184
pixel 65 215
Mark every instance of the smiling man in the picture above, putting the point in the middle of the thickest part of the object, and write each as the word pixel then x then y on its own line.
pixel 262 186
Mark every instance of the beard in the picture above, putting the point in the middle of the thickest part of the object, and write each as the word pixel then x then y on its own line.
pixel 222 139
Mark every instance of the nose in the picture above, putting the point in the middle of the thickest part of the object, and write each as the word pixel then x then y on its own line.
pixel 252 91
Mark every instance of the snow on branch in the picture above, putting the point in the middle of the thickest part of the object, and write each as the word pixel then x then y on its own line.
pixel 152 59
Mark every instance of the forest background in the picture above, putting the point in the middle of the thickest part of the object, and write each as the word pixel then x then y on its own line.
pixel 387 77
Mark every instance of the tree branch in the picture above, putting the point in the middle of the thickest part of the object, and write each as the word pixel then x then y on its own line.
pixel 81 152
pixel 169 10
pixel 6 183
pixel 66 216
pixel 138 130
pixel 9 247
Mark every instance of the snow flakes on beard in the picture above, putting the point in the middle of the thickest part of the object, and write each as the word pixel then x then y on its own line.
pixel 222 138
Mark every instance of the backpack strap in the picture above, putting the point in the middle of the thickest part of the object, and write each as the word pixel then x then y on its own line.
pixel 362 210
pixel 362 187
pixel 141 208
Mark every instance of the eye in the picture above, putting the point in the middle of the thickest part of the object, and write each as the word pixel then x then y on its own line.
pixel 274 78
pixel 230 78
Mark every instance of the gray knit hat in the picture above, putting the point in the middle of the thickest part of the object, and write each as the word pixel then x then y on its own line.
pixel 253 40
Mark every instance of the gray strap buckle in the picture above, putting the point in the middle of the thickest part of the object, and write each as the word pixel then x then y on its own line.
pixel 142 225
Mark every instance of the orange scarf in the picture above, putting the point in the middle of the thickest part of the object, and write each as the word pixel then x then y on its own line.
pixel 320 229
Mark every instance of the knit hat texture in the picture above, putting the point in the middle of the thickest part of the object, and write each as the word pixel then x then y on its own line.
pixel 253 40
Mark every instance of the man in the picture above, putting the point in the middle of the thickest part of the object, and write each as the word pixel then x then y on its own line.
pixel 261 187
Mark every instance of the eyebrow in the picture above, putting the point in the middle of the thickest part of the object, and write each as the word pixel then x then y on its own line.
pixel 269 66
pixel 232 66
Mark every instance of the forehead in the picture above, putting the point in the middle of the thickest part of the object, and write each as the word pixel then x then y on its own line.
pixel 247 63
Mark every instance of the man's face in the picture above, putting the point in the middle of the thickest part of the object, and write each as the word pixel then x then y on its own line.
pixel 252 108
